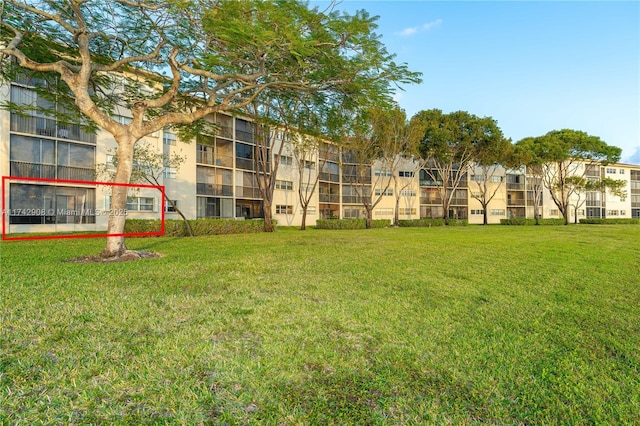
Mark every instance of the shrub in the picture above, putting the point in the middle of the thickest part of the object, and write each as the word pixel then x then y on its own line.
pixel 177 228
pixel 610 221
pixel 521 221
pixel 350 223
pixel 428 223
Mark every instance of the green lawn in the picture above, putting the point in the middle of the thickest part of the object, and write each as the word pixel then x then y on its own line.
pixel 471 325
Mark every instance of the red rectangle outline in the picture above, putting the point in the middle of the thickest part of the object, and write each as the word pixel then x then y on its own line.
pixel 80 182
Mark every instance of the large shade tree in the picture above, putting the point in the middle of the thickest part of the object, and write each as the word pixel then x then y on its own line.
pixel 565 155
pixel 192 58
pixel 448 147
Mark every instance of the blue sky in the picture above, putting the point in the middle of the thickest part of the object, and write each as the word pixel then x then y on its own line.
pixel 533 66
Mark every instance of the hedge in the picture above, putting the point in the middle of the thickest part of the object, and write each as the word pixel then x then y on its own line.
pixel 351 223
pixel 611 221
pixel 177 228
pixel 520 221
pixel 428 223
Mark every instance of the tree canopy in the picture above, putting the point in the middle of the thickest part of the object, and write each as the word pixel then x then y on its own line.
pixel 563 156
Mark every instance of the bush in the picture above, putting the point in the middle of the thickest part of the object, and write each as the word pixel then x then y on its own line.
pixel 350 223
pixel 611 221
pixel 428 223
pixel 177 228
pixel 521 221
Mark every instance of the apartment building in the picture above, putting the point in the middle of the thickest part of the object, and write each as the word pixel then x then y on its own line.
pixel 218 179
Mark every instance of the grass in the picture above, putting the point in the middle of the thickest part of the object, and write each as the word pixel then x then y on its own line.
pixel 465 325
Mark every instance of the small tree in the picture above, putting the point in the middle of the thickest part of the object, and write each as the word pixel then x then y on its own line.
pixel 305 148
pixel 525 155
pixel 379 139
pixel 149 166
pixel 491 154
pixel 581 185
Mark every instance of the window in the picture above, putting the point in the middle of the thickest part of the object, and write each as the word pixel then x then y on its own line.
pixel 406 211
pixel 168 138
pixel 284 184
pixel 497 212
pixel 383 212
pixel 379 191
pixel 311 210
pixel 612 212
pixel 169 172
pixel 623 212
pixel 382 172
pixel 621 171
pixel 311 165
pixel 141 204
pixel 408 193
pixel 405 174
pixel 611 171
pixel 496 179
pixel 285 160
pixel 281 209
pixel 477 212
pixel 168 207
pixel 477 178
pixel 553 212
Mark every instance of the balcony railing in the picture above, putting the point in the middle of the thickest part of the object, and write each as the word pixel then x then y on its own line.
pixel 428 200
pixel 24 169
pixel 76 173
pixel 48 171
pixel 42 126
pixel 515 186
pixel 245 163
pixel 516 202
pixel 329 198
pixel 214 189
pixel 247 192
pixel 330 177
pixel 361 180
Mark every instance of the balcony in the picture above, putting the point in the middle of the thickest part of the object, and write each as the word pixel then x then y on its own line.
pixel 47 127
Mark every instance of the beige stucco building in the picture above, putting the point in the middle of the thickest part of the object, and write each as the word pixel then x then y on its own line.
pixel 217 179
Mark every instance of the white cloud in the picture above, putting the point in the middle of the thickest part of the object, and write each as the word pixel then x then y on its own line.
pixel 409 31
pixel 431 24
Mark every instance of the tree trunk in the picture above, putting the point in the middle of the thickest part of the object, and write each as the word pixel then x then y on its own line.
pixel 268 217
pixel 303 225
pixel 369 214
pixel 177 210
pixel 396 213
pixel 485 218
pixel 117 217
